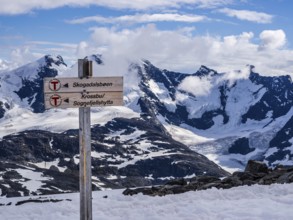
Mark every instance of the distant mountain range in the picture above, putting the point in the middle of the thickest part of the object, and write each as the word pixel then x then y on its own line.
pixel 172 125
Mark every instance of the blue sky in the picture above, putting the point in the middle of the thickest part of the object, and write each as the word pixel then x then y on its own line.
pixel 178 35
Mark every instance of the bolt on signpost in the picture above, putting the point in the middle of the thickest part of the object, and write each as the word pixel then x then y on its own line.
pixel 83 93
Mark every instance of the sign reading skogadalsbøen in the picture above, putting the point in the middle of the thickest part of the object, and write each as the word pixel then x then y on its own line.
pixel 85 92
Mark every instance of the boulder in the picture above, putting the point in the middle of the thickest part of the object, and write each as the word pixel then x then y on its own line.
pixel 254 166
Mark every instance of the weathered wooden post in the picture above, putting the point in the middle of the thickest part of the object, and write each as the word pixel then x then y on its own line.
pixel 85 172
pixel 84 92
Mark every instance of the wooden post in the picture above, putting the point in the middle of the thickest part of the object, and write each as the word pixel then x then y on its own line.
pixel 85 172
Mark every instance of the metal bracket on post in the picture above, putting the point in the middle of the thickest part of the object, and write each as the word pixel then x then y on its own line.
pixel 85 173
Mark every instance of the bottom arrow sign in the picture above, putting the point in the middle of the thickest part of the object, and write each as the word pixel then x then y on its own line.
pixel 79 100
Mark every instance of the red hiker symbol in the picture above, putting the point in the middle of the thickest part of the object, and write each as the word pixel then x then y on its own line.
pixel 55 100
pixel 54 84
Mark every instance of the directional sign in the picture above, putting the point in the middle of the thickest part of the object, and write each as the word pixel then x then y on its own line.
pixel 83 92
pixel 85 99
pixel 93 84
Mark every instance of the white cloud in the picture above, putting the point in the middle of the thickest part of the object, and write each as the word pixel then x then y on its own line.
pixel 141 18
pixel 4 65
pixel 23 6
pixel 82 49
pixel 253 16
pixel 22 56
pixel 235 75
pixel 272 39
pixel 52 44
pixel 33 50
pixel 196 86
pixel 181 51
pixel 177 50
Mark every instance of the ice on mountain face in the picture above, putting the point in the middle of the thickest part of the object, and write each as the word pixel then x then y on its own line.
pixel 163 95
pixel 240 97
pixel 271 151
pixel 132 92
pixel 215 143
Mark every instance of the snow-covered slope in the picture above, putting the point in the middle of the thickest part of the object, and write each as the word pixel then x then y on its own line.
pixel 232 116
pixel 22 88
pixel 240 203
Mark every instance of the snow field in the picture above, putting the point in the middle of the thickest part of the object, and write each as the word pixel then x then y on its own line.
pixel 256 202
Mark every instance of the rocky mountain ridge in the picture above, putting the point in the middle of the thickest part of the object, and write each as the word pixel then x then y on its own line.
pixel 255 173
pixel 158 135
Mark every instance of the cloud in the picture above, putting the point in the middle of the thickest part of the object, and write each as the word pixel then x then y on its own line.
pixel 196 86
pixel 33 50
pixel 23 55
pixel 272 39
pixel 253 16
pixel 52 44
pixel 183 51
pixel 82 49
pixel 235 75
pixel 4 65
pixel 177 50
pixel 141 18
pixel 21 7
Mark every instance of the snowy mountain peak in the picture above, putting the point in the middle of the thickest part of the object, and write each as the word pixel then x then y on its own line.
pixel 23 86
pixel 96 58
pixel 205 71
pixel 50 61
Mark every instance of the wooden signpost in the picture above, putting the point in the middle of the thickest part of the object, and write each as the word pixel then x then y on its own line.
pixel 84 92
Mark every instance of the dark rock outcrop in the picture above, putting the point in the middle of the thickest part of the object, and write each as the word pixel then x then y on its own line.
pixel 255 173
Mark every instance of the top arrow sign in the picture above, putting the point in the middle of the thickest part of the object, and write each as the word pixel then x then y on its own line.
pixel 94 84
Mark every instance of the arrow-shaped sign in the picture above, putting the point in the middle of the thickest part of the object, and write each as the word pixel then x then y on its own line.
pixel 77 100
pixel 93 84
